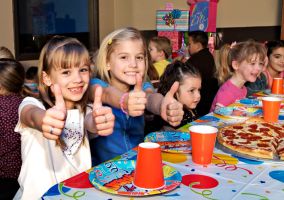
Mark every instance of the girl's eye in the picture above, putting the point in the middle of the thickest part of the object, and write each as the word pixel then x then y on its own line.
pixel 140 57
pixel 66 72
pixel 123 57
pixel 262 63
pixel 277 56
pixel 84 69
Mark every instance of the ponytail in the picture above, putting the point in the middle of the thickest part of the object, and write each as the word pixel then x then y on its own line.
pixel 223 68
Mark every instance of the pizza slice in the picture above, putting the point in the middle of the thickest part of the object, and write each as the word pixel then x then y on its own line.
pixel 248 139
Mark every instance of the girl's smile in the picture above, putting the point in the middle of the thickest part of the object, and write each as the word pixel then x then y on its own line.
pixel 73 83
pixel 125 62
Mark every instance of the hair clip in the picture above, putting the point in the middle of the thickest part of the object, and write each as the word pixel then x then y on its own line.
pixel 109 41
pixel 233 44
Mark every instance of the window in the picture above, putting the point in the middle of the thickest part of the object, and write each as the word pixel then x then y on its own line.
pixel 36 21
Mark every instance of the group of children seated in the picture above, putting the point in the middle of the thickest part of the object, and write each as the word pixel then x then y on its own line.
pixel 77 118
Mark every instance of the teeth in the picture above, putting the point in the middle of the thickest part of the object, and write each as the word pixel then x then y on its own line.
pixel 130 73
pixel 75 89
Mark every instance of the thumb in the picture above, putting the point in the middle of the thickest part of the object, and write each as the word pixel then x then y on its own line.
pixel 173 89
pixel 98 91
pixel 138 85
pixel 59 100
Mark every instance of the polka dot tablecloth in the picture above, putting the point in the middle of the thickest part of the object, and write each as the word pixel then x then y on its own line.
pixel 227 177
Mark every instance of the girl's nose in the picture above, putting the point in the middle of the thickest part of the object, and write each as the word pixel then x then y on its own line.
pixel 77 77
pixel 282 60
pixel 133 62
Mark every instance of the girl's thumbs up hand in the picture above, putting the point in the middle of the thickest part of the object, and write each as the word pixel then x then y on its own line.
pixel 103 117
pixel 171 109
pixel 137 99
pixel 54 118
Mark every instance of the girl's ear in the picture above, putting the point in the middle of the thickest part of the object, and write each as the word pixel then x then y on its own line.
pixel 108 66
pixel 235 64
pixel 46 79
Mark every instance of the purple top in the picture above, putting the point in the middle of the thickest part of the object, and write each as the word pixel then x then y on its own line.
pixel 10 142
pixel 227 94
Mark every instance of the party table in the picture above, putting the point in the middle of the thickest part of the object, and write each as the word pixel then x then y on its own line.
pixel 227 177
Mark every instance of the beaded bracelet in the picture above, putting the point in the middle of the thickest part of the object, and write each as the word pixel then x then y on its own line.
pixel 121 102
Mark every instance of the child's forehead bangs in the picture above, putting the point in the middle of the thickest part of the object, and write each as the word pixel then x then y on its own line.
pixel 70 55
pixel 255 54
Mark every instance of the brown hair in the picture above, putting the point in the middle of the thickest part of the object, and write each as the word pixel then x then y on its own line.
pixel 163 44
pixel 61 52
pixel 239 52
pixel 6 53
pixel 12 77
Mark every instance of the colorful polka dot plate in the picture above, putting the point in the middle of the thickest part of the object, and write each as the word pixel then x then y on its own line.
pixel 239 112
pixel 116 177
pixel 171 141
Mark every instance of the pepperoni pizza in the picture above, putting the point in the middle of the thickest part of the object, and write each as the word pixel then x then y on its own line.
pixel 261 140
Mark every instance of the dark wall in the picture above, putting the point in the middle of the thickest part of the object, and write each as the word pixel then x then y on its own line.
pixel 229 35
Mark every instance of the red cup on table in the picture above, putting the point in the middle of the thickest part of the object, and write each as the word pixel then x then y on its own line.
pixel 149 168
pixel 271 108
pixel 203 139
pixel 277 86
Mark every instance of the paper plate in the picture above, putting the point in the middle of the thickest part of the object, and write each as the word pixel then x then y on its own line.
pixel 171 141
pixel 239 112
pixel 251 102
pixel 268 92
pixel 116 177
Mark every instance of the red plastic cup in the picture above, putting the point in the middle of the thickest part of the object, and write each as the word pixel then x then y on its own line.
pixel 203 139
pixel 277 86
pixel 271 108
pixel 149 168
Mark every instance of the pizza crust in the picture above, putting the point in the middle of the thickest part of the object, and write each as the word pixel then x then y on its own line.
pixel 261 140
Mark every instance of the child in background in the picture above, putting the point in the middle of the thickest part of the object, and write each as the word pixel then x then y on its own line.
pixel 6 53
pixel 203 60
pixel 160 49
pixel 53 129
pixel 188 93
pixel 122 63
pixel 12 75
pixel 246 60
pixel 275 67
pixel 31 80
pixel 223 73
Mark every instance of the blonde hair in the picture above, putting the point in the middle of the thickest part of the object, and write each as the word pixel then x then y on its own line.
pixel 6 53
pixel 242 51
pixel 163 44
pixel 108 46
pixel 61 53
pixel 221 61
